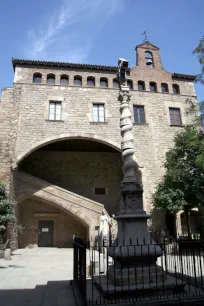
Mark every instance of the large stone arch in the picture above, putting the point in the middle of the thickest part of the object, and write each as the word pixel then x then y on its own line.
pixel 62 137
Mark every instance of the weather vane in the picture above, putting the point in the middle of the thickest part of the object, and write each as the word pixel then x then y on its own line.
pixel 145 35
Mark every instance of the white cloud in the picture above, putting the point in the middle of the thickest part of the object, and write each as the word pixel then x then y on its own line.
pixel 63 35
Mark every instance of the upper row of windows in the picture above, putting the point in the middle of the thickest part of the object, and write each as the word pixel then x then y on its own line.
pixel 64 80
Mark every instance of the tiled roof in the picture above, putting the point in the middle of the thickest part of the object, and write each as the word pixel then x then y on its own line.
pixel 183 76
pixel 16 62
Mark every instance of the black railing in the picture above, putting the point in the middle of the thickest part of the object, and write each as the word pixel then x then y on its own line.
pixel 102 279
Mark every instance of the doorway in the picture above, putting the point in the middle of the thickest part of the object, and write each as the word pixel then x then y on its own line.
pixel 45 233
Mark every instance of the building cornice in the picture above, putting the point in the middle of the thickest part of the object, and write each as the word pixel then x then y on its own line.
pixel 22 62
pixel 183 76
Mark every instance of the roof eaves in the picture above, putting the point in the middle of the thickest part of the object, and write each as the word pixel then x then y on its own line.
pixel 184 76
pixel 16 62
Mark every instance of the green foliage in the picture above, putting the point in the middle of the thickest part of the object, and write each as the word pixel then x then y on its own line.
pixel 199 51
pixel 6 210
pixel 183 184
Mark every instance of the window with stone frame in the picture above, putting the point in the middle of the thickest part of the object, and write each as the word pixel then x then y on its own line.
pixel 176 89
pixel 64 79
pixel 51 79
pixel 139 114
pixel 37 78
pixel 77 80
pixel 103 82
pixel 100 191
pixel 91 81
pixel 130 84
pixel 55 110
pixel 153 87
pixel 141 85
pixel 175 116
pixel 164 88
pixel 98 113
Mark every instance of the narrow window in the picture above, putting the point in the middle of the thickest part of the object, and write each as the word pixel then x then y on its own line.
pixel 149 59
pixel 51 79
pixel 100 191
pixel 37 78
pixel 55 110
pixel 77 80
pixel 130 84
pixel 91 81
pixel 141 85
pixel 64 79
pixel 139 114
pixel 176 89
pixel 164 88
pixel 115 84
pixel 98 113
pixel 153 86
pixel 103 82
pixel 175 116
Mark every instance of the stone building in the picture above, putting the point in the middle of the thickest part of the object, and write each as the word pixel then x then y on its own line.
pixel 60 140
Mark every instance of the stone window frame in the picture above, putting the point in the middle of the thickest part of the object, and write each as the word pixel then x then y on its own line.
pixel 180 118
pixel 104 79
pixel 90 78
pixel 152 83
pixel 176 89
pixel 51 76
pixel 90 109
pixel 165 87
pixel 141 83
pixel 130 84
pixel 76 79
pixel 56 99
pixel 65 77
pixel 99 104
pixel 37 74
pixel 137 106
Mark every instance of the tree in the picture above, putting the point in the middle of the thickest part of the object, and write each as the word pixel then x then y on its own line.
pixel 6 212
pixel 199 51
pixel 182 187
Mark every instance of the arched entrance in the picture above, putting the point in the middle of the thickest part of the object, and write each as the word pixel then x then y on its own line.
pixel 81 174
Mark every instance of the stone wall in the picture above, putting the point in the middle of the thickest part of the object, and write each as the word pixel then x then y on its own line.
pixel 65 225
pixel 80 172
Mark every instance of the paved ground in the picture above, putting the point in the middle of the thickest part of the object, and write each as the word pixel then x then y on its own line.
pixel 37 277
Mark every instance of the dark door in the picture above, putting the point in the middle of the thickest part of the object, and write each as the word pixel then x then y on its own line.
pixel 45 233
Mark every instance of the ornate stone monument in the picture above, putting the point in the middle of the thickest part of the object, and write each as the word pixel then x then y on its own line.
pixel 134 251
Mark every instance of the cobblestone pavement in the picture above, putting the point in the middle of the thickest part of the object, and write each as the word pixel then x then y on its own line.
pixel 37 277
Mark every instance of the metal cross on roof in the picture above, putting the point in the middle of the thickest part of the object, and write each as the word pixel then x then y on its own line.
pixel 145 35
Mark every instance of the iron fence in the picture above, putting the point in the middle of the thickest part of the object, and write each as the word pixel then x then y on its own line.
pixel 104 275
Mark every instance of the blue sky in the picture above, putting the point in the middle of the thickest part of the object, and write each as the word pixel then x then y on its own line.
pixel 99 32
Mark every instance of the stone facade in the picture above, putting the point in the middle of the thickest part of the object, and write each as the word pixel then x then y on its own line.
pixel 26 128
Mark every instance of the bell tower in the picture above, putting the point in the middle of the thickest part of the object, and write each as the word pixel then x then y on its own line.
pixel 148 56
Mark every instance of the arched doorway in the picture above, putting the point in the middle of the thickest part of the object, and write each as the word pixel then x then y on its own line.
pixel 45 225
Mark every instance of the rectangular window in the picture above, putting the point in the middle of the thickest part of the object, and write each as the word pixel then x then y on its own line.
pixel 55 110
pixel 98 113
pixel 139 114
pixel 100 191
pixel 175 116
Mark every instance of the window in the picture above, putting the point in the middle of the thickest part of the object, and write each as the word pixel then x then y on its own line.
pixel 139 114
pixel 91 81
pixel 130 84
pixel 149 59
pixel 153 86
pixel 37 78
pixel 98 113
pixel 100 191
pixel 55 111
pixel 115 84
pixel 77 80
pixel 51 79
pixel 103 82
pixel 141 85
pixel 175 116
pixel 176 89
pixel 64 79
pixel 164 88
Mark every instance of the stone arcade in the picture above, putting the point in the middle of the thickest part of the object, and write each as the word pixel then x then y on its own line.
pixel 60 141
